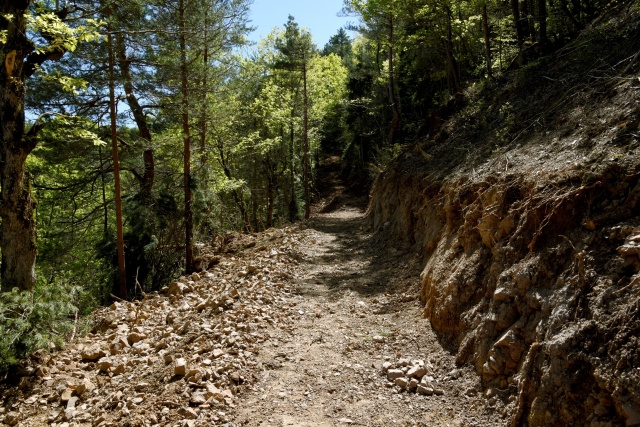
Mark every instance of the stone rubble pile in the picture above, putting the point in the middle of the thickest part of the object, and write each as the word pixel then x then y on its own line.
pixel 411 376
pixel 173 358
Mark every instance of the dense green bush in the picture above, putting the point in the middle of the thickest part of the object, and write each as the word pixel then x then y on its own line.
pixel 40 319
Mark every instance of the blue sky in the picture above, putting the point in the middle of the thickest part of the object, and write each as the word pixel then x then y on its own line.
pixel 318 16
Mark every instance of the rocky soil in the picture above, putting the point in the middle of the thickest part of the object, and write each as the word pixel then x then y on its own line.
pixel 317 325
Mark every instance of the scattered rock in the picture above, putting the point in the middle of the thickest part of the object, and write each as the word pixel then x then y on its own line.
pixel 71 404
pixel 189 413
pixel 180 367
pixel 176 288
pixel 135 337
pixel 402 382
pixel 93 353
pixel 198 399
pixel 416 372
pixel 141 386
pixel 104 365
pixel 66 395
pixel 424 390
pixel 118 345
pixel 393 374
pixel 118 369
pixel 12 418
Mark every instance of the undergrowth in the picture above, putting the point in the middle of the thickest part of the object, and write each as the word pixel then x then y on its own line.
pixel 41 319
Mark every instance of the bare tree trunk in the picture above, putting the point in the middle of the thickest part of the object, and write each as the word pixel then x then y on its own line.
pixel 542 21
pixel 105 223
pixel 576 21
pixel 306 167
pixel 19 248
pixel 146 180
pixel 205 83
pixel 18 61
pixel 270 201
pixel 17 206
pixel 116 172
pixel 254 194
pixel 487 39
pixel 453 64
pixel 515 10
pixel 531 19
pixel 393 99
pixel 293 202
pixel 527 11
pixel 188 214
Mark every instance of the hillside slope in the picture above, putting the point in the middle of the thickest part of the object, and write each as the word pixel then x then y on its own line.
pixel 526 209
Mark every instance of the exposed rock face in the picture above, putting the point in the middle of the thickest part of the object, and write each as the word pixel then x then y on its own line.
pixel 534 283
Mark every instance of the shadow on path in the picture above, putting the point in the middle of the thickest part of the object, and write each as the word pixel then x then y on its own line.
pixel 353 258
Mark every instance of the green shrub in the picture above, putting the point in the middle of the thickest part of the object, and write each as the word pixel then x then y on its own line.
pixel 37 320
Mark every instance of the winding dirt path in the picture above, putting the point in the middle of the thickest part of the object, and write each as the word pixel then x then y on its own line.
pixel 356 307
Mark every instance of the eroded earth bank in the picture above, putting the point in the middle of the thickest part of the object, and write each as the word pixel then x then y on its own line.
pixel 531 242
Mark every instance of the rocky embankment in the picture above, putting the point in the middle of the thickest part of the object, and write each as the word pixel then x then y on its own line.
pixel 534 289
pixel 532 255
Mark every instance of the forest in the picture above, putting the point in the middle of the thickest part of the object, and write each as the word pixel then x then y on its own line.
pixel 134 132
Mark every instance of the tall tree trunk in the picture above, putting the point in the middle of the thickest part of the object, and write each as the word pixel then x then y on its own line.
pixel 147 178
pixel 18 61
pixel 393 99
pixel 188 214
pixel 205 83
pixel 269 191
pixel 254 194
pixel 453 64
pixel 19 248
pixel 529 33
pixel 487 39
pixel 531 19
pixel 306 166
pixel 116 172
pixel 577 9
pixel 105 212
pixel 565 8
pixel 542 21
pixel 293 202
pixel 17 208
pixel 237 197
pixel 515 10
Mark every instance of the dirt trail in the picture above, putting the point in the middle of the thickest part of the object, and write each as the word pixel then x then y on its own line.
pixel 356 307
pixel 295 327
